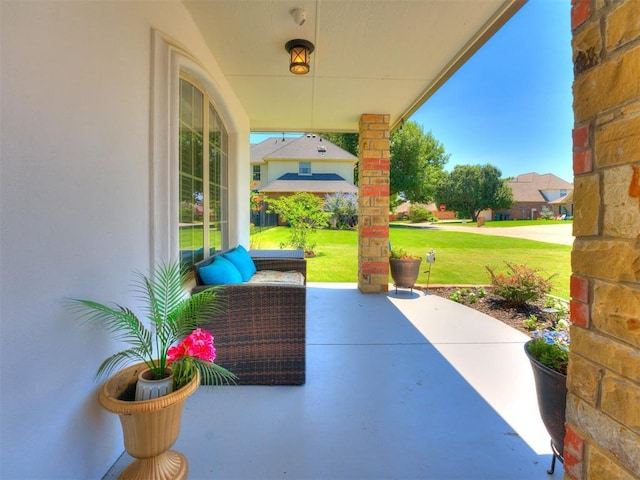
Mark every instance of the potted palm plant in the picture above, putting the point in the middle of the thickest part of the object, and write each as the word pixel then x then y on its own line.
pixel 405 268
pixel 548 353
pixel 151 416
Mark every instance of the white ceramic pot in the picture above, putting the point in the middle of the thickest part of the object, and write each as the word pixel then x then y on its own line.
pixel 148 388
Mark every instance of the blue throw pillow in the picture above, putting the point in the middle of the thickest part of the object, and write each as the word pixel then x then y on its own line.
pixel 242 261
pixel 220 272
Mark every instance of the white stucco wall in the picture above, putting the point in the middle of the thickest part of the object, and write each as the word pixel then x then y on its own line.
pixel 75 213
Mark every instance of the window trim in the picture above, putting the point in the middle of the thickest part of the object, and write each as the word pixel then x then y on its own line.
pixel 300 169
pixel 210 116
pixel 167 61
pixel 256 169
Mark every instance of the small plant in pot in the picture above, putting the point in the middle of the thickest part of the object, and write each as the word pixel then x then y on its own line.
pixel 151 424
pixel 405 268
pixel 548 353
pixel 172 315
pixel 551 347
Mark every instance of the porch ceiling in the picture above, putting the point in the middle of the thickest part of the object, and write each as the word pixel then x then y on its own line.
pixel 371 56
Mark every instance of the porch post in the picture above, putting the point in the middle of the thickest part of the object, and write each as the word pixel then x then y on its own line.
pixel 603 414
pixel 373 204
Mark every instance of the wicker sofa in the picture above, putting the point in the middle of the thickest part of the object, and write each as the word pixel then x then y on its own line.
pixel 260 334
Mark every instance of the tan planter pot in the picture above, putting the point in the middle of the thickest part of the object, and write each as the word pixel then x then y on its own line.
pixel 150 427
pixel 404 271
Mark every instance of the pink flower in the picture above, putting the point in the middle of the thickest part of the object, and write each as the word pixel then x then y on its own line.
pixel 198 344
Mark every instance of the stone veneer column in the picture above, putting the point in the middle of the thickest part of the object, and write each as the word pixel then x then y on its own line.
pixel 373 204
pixel 603 404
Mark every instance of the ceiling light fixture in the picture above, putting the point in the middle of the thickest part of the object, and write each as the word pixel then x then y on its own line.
pixel 299 52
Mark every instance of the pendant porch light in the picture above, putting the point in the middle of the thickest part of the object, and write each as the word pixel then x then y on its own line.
pixel 299 53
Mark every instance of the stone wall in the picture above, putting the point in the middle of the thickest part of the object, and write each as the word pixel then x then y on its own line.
pixel 373 204
pixel 603 405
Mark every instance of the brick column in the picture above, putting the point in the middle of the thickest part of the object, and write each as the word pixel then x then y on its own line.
pixel 373 204
pixel 603 403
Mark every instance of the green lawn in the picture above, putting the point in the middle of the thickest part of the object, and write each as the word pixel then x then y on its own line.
pixel 503 223
pixel 460 257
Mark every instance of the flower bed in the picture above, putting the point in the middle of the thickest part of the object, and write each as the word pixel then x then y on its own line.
pixel 496 307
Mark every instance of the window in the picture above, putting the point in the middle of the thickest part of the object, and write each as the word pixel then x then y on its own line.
pixel 256 173
pixel 202 171
pixel 304 168
pixel 563 193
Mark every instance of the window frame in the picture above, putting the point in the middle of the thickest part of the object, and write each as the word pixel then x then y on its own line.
pixel 168 60
pixel 256 171
pixel 209 118
pixel 302 170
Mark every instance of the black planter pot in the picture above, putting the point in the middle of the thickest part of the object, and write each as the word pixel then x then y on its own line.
pixel 404 271
pixel 551 387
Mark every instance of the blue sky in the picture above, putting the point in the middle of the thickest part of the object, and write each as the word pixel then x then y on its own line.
pixel 510 105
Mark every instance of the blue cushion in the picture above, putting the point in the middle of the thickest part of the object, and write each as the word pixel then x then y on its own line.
pixel 242 261
pixel 220 272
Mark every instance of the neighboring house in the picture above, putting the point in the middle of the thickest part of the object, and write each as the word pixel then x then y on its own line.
pixel 532 192
pixel 402 211
pixel 310 163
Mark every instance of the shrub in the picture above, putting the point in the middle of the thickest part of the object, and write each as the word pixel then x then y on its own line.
pixel 546 213
pixel 560 305
pixel 531 323
pixel 419 213
pixel 343 208
pixel 520 284
pixel 304 213
pixel 467 295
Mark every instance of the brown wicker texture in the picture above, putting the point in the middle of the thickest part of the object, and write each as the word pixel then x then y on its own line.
pixel 260 335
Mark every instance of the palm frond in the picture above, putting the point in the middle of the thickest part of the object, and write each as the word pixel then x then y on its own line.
pixel 201 306
pixel 119 321
pixel 166 289
pixel 163 294
pixel 171 313
pixel 121 359
pixel 212 374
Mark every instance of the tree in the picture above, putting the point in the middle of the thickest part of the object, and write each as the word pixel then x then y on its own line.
pixel 346 141
pixel 469 189
pixel 343 208
pixel 303 212
pixel 417 162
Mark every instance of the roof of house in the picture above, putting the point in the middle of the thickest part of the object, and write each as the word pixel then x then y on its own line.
pixel 528 187
pixel 315 183
pixel 306 147
pixel 566 200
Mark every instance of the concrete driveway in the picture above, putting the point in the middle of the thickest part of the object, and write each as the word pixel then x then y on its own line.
pixel 557 233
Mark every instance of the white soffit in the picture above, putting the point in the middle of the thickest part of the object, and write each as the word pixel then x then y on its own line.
pixel 371 56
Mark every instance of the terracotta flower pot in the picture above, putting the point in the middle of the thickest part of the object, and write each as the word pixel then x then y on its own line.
pixel 551 388
pixel 149 427
pixel 405 271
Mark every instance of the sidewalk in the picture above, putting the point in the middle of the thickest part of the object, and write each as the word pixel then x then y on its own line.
pixel 561 234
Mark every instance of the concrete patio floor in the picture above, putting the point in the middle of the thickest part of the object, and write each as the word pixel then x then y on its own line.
pixel 399 386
